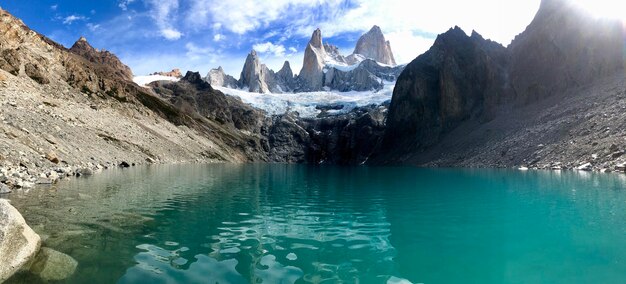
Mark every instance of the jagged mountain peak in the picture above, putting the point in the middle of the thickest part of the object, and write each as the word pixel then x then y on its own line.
pixel 316 39
pixel 374 45
pixel 286 67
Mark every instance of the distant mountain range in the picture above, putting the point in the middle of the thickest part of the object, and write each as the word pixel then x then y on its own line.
pixel 324 68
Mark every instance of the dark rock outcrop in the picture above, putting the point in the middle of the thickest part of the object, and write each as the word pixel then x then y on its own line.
pixel 374 45
pixel 102 57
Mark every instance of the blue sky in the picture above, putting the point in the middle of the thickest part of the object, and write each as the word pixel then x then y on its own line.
pixel 158 35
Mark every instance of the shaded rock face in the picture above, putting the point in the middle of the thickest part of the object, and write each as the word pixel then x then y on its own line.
pixel 84 49
pixel 253 74
pixel 373 45
pixel 369 75
pixel 218 78
pixel 346 139
pixel 18 243
pixel 561 48
pixel 312 74
pixel 459 78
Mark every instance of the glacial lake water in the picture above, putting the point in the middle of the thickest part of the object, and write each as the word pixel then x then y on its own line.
pixel 309 224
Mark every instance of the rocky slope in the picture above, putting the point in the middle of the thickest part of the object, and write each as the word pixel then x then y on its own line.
pixel 553 98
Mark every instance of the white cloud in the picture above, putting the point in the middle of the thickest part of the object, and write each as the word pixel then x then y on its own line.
pixel 218 37
pixel 268 47
pixel 164 14
pixel 72 18
pixel 54 7
pixel 171 34
pixel 123 4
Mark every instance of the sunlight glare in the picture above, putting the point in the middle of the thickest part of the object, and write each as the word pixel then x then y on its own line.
pixel 608 9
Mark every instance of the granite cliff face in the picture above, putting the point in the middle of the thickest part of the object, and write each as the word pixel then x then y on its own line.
pixel 374 45
pixel 217 77
pixel 312 73
pixel 254 74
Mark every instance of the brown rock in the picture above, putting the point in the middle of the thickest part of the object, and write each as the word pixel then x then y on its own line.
pixel 52 157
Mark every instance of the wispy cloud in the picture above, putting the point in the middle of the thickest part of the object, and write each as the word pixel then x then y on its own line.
pixel 73 18
pixel 277 50
pixel 54 7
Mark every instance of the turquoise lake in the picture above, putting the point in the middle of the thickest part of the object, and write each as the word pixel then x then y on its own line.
pixel 309 224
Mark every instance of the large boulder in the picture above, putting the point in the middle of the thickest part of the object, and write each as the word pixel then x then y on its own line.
pixel 18 242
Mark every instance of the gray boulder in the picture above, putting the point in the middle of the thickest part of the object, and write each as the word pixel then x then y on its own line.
pixel 18 242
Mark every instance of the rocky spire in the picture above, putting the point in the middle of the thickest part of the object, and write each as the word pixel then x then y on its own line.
pixel 253 75
pixel 285 78
pixel 312 74
pixel 373 45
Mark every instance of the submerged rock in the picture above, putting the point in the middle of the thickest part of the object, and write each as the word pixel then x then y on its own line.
pixel 18 242
pixel 52 265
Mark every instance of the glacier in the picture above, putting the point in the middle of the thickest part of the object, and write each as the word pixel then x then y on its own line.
pixel 304 103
